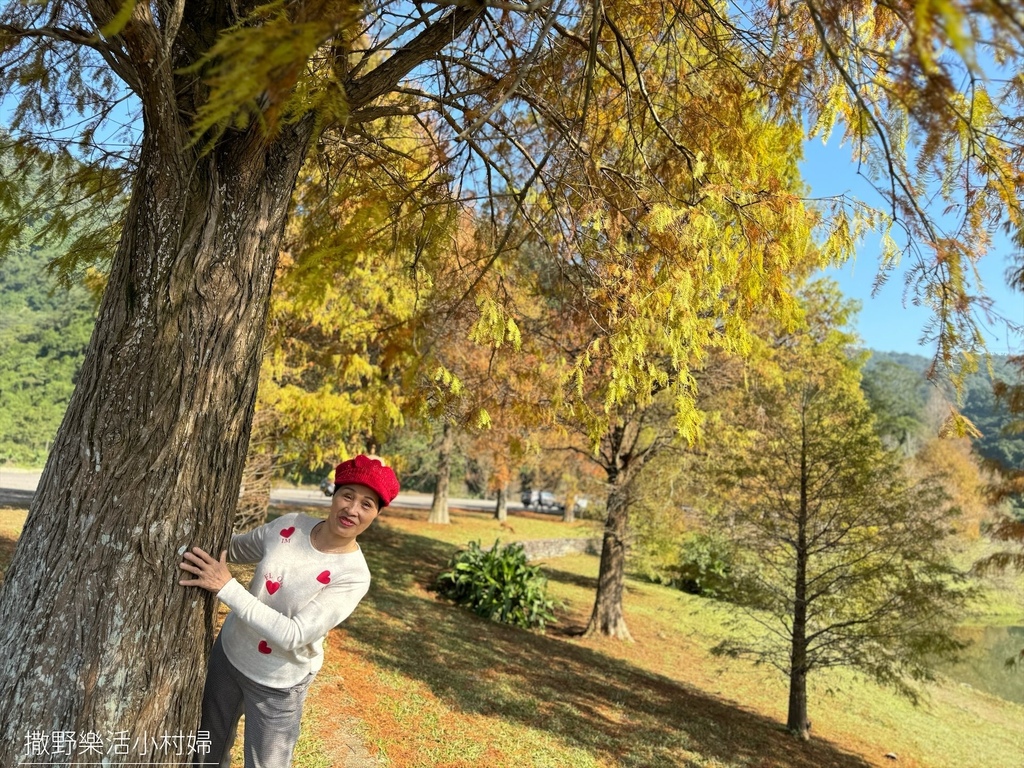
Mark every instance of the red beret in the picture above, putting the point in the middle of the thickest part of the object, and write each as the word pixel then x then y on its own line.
pixel 363 470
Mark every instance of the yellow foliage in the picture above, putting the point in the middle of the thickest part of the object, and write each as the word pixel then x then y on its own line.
pixel 259 68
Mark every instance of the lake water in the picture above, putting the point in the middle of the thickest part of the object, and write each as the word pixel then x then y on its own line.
pixel 983 665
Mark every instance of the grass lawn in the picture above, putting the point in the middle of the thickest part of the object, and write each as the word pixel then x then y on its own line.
pixel 423 683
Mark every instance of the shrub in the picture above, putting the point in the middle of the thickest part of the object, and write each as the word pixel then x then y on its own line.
pixel 705 566
pixel 709 567
pixel 654 551
pixel 497 584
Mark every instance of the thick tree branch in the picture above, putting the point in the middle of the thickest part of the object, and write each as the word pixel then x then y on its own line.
pixel 385 77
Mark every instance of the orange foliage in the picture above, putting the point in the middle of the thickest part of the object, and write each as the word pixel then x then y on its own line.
pixel 961 476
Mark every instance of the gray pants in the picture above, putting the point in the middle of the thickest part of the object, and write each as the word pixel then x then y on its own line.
pixel 271 716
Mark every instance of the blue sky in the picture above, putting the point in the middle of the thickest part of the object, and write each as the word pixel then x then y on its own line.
pixel 886 322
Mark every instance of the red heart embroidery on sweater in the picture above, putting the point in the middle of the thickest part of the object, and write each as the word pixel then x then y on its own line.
pixel 287 532
pixel 273 586
pixel 264 648
pixel 324 578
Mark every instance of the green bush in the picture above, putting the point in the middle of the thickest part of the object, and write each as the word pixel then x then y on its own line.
pixel 709 567
pixel 705 566
pixel 497 584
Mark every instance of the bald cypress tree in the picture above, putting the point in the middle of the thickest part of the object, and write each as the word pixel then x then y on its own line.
pixel 173 133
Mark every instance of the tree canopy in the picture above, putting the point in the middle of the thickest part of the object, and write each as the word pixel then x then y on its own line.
pixel 537 94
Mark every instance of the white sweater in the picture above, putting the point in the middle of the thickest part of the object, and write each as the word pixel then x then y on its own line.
pixel 274 633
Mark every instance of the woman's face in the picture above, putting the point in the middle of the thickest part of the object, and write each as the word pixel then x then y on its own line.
pixel 353 508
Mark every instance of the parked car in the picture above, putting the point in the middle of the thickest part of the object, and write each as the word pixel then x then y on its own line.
pixel 542 501
pixel 327 485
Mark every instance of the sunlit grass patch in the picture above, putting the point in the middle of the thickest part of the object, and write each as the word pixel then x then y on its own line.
pixel 11 523
pixel 1001 601
pixel 411 723
pixel 666 700
pixel 472 525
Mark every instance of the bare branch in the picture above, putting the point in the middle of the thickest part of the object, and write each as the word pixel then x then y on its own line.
pixel 386 76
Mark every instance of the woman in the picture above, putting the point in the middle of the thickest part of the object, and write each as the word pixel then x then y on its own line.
pixel 310 575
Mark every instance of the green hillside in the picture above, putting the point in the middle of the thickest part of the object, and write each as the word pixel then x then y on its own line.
pixel 907 405
pixel 44 330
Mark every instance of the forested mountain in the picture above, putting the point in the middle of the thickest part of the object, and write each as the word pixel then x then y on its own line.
pixel 909 408
pixel 44 330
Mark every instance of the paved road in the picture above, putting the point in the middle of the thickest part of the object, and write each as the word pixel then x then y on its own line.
pixel 17 487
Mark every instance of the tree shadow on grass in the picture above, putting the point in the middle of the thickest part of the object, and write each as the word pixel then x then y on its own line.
pixel 10 497
pixel 611 709
pixel 568 577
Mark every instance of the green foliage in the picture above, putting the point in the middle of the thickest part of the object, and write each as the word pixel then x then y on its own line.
pixel 44 330
pixel 344 340
pixel 656 529
pixel 853 553
pixel 897 396
pixel 698 563
pixel 992 416
pixel 414 446
pixel 897 390
pixel 709 567
pixel 498 584
pixel 271 46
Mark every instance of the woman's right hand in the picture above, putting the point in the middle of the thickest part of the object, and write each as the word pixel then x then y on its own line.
pixel 211 574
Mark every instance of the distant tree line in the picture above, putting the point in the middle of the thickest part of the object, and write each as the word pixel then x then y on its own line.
pixel 909 409
pixel 44 330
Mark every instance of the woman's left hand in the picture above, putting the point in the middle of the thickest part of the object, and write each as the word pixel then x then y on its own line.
pixel 210 573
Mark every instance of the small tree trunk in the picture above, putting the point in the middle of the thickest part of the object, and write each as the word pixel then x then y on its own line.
pixel 439 506
pixel 254 497
pixel 501 510
pixel 607 618
pixel 569 513
pixel 796 720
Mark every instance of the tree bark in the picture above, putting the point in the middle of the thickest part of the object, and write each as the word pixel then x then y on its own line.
pixel 439 505
pixel 95 633
pixel 607 617
pixel 796 720
pixel 254 496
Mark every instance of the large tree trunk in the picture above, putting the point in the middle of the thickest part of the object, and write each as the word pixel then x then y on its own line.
pixel 439 505
pixel 95 633
pixel 607 618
